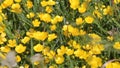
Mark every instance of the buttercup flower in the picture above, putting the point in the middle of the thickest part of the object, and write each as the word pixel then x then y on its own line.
pixel 7 3
pixel 40 35
pixel 16 8
pixel 18 58
pixel 59 59
pixel 2 38
pixel 82 9
pixel 18 1
pixel 12 43
pixel 107 10
pixel 38 48
pixel 36 23
pixel 53 27
pixel 94 61
pixel 69 51
pixel 5 49
pixel 51 37
pixel 79 21
pixel 51 54
pixel 29 4
pixel 74 4
pixel 51 2
pixel 25 40
pixel 20 48
pixel 113 65
pixel 48 9
pixel 44 3
pixel 89 19
pixel 116 1
pixel 45 17
pixel 116 45
pixel 30 15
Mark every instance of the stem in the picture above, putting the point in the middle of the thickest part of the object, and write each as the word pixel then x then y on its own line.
pixel 116 23
pixel 71 63
pixel 32 51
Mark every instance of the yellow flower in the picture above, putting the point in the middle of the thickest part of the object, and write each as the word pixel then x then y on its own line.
pixel 26 66
pixel 74 4
pixel 95 37
pixel 82 9
pixel 2 38
pixel 38 48
pixel 57 19
pixel 25 40
pixel 85 4
pixel 12 43
pixel 75 45
pixel 2 28
pixel 29 4
pixel 73 31
pixel 2 56
pixel 65 28
pixel 83 66
pixel 20 48
pixel 79 21
pixel 89 19
pixel 7 3
pixel 52 37
pixel 116 45
pixel 54 21
pixel 53 27
pixel 97 49
pixel 113 65
pixel 30 33
pixel 51 2
pixel 82 32
pixel 59 59
pixel 51 54
pixel 87 47
pixel 97 13
pixel 88 0
pixel 46 50
pixel 5 49
pixel 18 58
pixel 81 54
pixel 48 9
pixel 1 19
pixel 61 51
pixel 36 23
pixel 21 67
pixel 40 35
pixel 107 11
pixel 53 66
pixel 18 1
pixel 30 15
pixel 47 60
pixel 44 3
pixel 94 62
pixel 69 51
pixel 110 38
pixel 116 1
pixel 45 17
pixel 36 63
pixel 16 8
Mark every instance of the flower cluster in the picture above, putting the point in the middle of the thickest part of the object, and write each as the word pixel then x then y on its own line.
pixel 59 33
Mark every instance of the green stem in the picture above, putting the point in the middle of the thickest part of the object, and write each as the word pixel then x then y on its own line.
pixel 32 53
pixel 101 28
pixel 71 62
pixel 116 23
